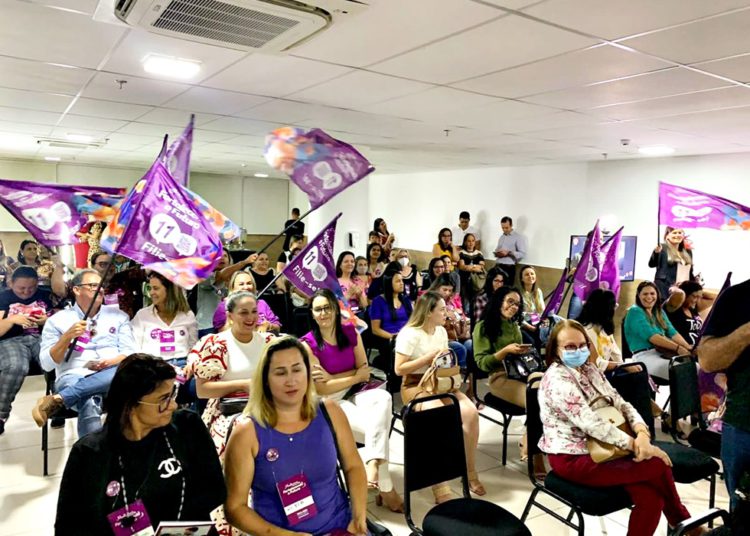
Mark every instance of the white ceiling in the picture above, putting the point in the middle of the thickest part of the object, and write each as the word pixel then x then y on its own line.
pixel 415 84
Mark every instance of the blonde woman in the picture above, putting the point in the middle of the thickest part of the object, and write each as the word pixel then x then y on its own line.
pixel 244 281
pixel 673 261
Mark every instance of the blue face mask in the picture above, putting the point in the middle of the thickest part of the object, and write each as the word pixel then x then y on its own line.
pixel 575 358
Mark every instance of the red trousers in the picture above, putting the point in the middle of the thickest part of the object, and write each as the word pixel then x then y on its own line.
pixel 649 483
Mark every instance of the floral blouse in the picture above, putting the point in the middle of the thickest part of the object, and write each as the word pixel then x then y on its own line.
pixel 568 420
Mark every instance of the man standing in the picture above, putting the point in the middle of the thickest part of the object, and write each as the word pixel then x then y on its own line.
pixel 725 346
pixel 463 228
pixel 23 312
pixel 293 227
pixel 511 248
pixel 103 340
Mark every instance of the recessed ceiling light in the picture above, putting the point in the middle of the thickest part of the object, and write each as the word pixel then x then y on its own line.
pixel 79 138
pixel 52 158
pixel 171 66
pixel 260 175
pixel 656 150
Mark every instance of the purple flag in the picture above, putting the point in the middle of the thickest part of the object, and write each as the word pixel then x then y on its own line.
pixel 609 274
pixel 50 211
pixel 319 164
pixel 586 277
pixel 314 267
pixel 685 208
pixel 159 227
pixel 554 300
pixel 177 158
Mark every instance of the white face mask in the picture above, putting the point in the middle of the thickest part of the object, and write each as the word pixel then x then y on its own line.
pixel 404 261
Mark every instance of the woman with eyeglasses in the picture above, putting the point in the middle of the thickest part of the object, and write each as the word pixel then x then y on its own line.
pixel 444 245
pixel 340 372
pixel 569 385
pixel 496 278
pixel 148 464
pixel 434 269
pixel 225 363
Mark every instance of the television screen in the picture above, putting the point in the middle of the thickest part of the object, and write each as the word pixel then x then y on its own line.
pixel 625 257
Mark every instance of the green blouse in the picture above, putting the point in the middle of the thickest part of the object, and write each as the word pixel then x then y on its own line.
pixel 484 349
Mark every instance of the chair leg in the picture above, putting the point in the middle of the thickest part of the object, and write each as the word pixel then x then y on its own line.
pixel 506 424
pixel 45 433
pixel 581 531
pixel 712 497
pixel 529 504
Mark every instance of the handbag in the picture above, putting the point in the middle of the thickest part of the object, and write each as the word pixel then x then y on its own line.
pixel 478 280
pixel 519 366
pixel 232 406
pixel 443 375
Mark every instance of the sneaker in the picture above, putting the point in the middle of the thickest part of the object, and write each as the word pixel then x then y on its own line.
pixel 45 407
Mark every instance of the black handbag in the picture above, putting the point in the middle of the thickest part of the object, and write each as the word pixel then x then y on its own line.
pixel 520 366
pixel 232 406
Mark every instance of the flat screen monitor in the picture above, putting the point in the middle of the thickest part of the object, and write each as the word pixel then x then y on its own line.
pixel 625 257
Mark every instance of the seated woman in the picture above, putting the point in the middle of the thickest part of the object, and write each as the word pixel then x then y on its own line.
pixel 263 274
pixel 598 319
pixel 649 333
pixel 409 274
pixel 353 286
pixel 422 340
pixel 148 458
pixel 496 278
pixel 225 363
pixel 50 272
pixel 390 311
pixel 444 245
pixel 434 269
pixel 470 261
pixel 375 262
pixel 456 323
pixel 339 368
pixel 267 319
pixel 288 440
pixel 570 383
pixel 533 305
pixel 450 269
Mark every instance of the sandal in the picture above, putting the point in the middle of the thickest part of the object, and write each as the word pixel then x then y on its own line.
pixel 392 500
pixel 475 486
pixel 442 493
pixel 524 455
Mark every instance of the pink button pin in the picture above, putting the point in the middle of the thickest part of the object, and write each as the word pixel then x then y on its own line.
pixel 113 488
pixel 272 455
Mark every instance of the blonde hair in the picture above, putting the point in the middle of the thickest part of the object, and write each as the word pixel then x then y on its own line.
pixel 426 303
pixel 238 273
pixel 677 253
pixel 261 406
pixel 552 345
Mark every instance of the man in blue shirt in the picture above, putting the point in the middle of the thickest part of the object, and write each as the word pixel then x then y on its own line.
pixel 511 249
pixel 103 340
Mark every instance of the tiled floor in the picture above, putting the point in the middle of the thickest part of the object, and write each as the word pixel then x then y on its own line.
pixel 28 500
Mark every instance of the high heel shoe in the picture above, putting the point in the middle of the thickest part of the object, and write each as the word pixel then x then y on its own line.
pixel 475 486
pixel 442 493
pixel 524 455
pixel 391 500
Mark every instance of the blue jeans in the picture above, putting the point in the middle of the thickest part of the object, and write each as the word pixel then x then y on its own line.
pixel 85 394
pixel 575 307
pixel 735 455
pixel 461 350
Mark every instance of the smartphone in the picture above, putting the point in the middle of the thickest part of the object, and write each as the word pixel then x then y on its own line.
pixel 526 347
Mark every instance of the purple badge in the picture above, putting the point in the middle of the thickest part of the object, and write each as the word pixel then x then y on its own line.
pixel 113 488
pixel 113 330
pixel 272 454
pixel 155 333
pixel 182 332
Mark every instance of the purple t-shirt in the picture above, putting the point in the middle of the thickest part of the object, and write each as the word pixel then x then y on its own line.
pixel 264 313
pixel 333 360
pixel 379 310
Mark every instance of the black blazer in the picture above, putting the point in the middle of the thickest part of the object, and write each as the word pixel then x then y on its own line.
pixel 666 272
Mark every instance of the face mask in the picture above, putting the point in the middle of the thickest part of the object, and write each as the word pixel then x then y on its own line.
pixel 362 270
pixel 575 358
pixel 404 261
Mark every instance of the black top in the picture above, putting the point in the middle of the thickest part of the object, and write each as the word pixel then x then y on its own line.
pixel 10 304
pixel 410 284
pixel 297 228
pixel 83 504
pixel 689 326
pixel 262 281
pixel 666 272
pixel 729 313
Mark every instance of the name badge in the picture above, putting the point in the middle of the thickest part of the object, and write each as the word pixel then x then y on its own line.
pixel 296 499
pixel 167 349
pixel 133 521
pixel 111 299
pixel 83 341
pixel 166 336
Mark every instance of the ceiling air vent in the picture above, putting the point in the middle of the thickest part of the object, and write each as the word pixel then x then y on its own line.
pixel 262 25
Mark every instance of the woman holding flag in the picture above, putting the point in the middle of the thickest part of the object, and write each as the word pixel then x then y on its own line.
pixel 673 261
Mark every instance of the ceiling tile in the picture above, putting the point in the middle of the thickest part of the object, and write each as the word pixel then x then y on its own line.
pixel 282 111
pixel 435 104
pixel 44 102
pixel 512 40
pixel 127 142
pixel 709 39
pixel 595 64
pixel 216 101
pixel 83 121
pixel 729 124
pixel 265 74
pixel 17 115
pixel 403 22
pixel 35 32
pixel 736 68
pixel 177 118
pixel 238 126
pixel 647 86
pixel 547 121
pixel 39 76
pixel 25 128
pixel 494 117
pixel 358 89
pixel 136 90
pixel 84 6
pixel 138 44
pixel 109 109
pixel 513 4
pixel 613 20
pixel 62 132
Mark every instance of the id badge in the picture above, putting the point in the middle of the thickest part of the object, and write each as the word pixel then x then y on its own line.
pixel 166 339
pixel 133 521
pixel 83 341
pixel 112 299
pixel 296 499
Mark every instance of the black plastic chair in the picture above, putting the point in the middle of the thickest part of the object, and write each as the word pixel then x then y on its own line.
pixel 434 453
pixel 689 465
pixel 702 519
pixel 579 498
pixel 686 402
pixel 65 413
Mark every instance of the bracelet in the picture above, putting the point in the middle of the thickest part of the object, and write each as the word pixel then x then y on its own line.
pixel 642 431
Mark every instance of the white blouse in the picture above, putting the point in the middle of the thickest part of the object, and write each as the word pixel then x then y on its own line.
pixel 169 341
pixel 416 342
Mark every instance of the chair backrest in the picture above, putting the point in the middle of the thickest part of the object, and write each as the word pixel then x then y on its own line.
pixel 625 347
pixel 433 444
pixel 633 386
pixel 534 429
pixel 685 398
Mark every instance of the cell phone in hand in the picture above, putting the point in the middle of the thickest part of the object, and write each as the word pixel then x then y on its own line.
pixel 526 347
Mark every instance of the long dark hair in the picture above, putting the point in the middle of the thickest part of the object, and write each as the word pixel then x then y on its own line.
pixel 656 313
pixel 492 325
pixel 376 225
pixel 25 243
pixel 491 275
pixel 340 260
pixel 369 249
pixel 440 237
pixel 388 294
pixel 431 266
pixel 599 310
pixel 341 340
pixel 443 280
pixel 137 376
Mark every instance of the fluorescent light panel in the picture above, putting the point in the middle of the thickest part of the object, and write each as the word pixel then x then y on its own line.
pixel 171 66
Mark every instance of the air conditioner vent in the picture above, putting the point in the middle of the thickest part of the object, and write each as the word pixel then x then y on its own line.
pixel 220 21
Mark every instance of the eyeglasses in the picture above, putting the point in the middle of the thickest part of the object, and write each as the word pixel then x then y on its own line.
pixel 102 264
pixel 90 286
pixel 512 303
pixel 574 347
pixel 165 401
pixel 321 310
